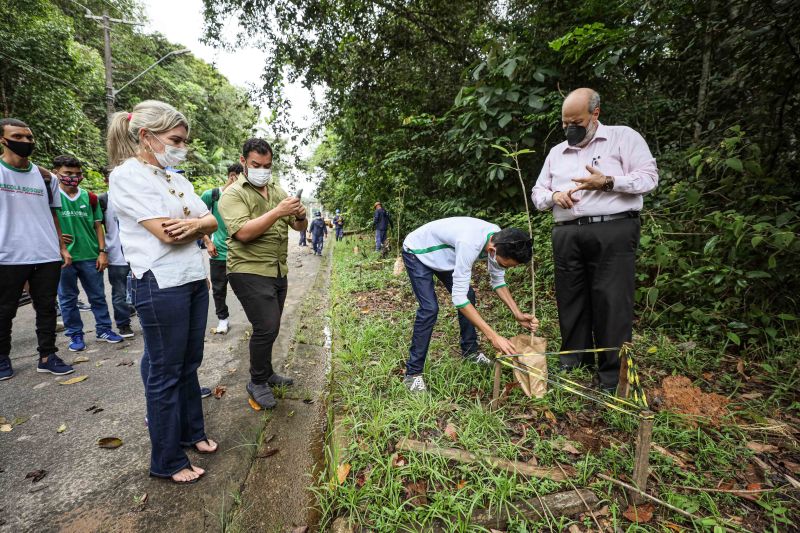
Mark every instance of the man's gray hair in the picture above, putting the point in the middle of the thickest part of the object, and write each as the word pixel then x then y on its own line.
pixel 594 101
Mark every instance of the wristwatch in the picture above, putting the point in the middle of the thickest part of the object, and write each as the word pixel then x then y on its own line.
pixel 608 186
pixel 103 250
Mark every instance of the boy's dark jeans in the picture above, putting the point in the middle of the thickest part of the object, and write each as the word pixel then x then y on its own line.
pixel 422 284
pixel 42 281
pixel 262 299
pixel 219 287
pixel 118 279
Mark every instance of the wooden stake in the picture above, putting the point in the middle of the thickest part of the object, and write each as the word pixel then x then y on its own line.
pixel 623 387
pixel 641 466
pixel 496 387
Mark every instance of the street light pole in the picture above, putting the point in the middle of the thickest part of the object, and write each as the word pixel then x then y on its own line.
pixel 109 66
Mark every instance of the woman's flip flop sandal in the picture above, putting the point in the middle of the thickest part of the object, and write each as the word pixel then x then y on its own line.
pixel 205 452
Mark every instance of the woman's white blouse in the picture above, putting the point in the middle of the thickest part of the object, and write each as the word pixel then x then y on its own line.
pixel 141 192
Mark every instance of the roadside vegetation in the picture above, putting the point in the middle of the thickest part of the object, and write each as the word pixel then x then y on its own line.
pixel 748 445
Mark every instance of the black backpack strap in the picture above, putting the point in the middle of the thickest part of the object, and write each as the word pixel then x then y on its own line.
pixel 48 183
pixel 214 195
pixel 103 199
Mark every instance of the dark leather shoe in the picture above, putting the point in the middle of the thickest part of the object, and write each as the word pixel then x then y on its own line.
pixel 277 380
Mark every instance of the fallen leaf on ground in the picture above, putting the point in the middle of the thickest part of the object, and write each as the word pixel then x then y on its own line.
pixel 548 414
pixel 300 529
pixel 125 362
pixel 565 446
pixel 417 492
pixel 253 404
pixel 398 460
pixel 110 442
pixel 36 475
pixel 269 452
pixel 342 471
pixel 533 461
pixel 5 428
pixel 450 431
pixel 674 527
pixel 62 428
pixel 461 484
pixel 574 528
pixel 20 420
pixel 752 395
pixel 219 391
pixel 74 380
pixel 740 369
pixel 3 420
pixel 640 514
pixel 761 448
pixel 80 359
pixel 794 468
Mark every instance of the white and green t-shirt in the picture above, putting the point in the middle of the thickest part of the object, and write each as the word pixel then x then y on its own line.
pixel 27 231
pixel 77 218
pixel 453 245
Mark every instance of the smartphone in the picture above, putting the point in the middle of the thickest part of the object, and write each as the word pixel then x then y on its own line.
pixel 299 193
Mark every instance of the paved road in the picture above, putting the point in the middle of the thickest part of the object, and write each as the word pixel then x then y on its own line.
pixel 91 489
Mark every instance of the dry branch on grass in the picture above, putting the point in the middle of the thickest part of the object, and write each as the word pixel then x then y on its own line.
pixel 462 456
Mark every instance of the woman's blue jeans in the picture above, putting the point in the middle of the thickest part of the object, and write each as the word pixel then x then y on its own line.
pixel 173 325
pixel 422 283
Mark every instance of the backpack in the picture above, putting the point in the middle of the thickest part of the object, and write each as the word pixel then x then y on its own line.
pixel 48 181
pixel 215 194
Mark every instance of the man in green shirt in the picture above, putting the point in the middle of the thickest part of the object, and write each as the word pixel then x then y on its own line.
pixel 218 249
pixel 81 222
pixel 258 214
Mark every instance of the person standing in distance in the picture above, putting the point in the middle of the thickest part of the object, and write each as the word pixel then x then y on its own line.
pixel 594 183
pixel 258 214
pixel 381 221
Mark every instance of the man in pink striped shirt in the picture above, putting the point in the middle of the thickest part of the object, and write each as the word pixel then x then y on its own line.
pixel 594 183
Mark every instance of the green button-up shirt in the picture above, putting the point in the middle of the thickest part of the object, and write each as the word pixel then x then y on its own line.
pixel 266 254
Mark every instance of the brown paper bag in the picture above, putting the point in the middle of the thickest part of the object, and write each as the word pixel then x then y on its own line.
pixel 399 266
pixel 533 383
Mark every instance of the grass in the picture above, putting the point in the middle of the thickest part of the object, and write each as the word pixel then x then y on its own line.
pixel 370 345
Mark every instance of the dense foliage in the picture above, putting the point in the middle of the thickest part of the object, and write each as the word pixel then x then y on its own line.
pixel 418 92
pixel 52 77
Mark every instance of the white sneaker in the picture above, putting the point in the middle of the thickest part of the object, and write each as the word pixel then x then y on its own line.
pixel 222 327
pixel 415 384
pixel 480 358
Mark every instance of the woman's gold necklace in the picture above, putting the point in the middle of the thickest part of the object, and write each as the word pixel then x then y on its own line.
pixel 168 183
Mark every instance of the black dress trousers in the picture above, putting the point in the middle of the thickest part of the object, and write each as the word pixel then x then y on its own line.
pixel 595 282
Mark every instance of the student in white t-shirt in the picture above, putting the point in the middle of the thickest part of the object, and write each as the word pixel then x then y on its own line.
pixel 31 248
pixel 160 220
pixel 446 249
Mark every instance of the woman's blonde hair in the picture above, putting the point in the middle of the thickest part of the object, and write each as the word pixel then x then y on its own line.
pixel 123 130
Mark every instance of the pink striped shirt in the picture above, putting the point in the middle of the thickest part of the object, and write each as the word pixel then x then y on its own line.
pixel 617 151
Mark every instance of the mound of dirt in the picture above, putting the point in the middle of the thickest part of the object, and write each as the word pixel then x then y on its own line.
pixel 677 394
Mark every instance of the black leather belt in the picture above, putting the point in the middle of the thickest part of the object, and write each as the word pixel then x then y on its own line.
pixel 599 218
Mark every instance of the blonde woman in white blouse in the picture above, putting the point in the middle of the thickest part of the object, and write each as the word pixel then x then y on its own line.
pixel 160 219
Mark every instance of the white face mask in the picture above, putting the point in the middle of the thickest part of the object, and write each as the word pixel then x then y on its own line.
pixel 171 156
pixel 258 177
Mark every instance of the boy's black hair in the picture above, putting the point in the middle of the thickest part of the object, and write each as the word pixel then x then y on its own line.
pixel 513 243
pixel 66 161
pixel 11 122
pixel 235 168
pixel 259 146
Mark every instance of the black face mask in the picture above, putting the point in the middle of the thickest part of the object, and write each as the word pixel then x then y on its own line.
pixel 575 133
pixel 22 149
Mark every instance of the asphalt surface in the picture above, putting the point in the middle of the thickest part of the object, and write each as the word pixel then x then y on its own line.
pixel 88 488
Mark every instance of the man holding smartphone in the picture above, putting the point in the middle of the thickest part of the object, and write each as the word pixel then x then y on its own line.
pixel 258 214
